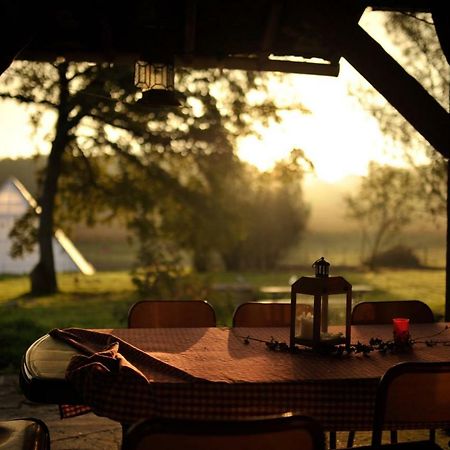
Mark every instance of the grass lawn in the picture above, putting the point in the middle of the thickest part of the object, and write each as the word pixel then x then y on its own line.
pixel 103 300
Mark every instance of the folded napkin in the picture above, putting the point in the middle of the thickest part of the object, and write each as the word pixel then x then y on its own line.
pixel 110 375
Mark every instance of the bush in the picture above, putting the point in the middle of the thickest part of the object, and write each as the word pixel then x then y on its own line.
pixel 15 337
pixel 398 256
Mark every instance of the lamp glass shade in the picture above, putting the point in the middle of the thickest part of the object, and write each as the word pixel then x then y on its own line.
pixel 150 76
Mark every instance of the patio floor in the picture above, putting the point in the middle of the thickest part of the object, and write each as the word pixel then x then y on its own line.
pixel 79 433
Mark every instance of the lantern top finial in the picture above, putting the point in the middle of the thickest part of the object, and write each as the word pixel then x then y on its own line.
pixel 322 268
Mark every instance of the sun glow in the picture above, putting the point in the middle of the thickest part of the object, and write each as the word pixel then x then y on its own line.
pixel 339 137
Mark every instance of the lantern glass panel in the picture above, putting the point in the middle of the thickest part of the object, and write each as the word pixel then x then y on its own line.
pixel 332 314
pixel 336 309
pixel 150 76
pixel 304 316
pixel 142 75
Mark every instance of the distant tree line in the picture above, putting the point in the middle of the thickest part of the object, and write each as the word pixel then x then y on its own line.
pixel 24 169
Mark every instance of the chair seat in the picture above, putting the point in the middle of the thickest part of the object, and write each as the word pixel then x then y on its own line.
pixel 24 434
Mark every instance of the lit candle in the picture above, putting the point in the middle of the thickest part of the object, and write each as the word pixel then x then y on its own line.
pixel 401 330
pixel 306 324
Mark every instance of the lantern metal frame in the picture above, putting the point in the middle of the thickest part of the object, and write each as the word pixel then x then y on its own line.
pixel 320 288
pixel 156 80
pixel 321 267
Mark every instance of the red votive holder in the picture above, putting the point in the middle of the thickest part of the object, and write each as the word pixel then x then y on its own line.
pixel 401 330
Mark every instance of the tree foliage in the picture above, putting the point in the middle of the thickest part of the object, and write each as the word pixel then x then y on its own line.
pixel 275 214
pixel 383 206
pixel 109 158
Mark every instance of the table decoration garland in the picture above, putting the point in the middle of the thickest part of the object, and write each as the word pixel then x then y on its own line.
pixel 375 344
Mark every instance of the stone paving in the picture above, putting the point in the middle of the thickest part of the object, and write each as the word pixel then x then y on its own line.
pixel 87 432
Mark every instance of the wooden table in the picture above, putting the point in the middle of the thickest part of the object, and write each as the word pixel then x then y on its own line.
pixel 212 373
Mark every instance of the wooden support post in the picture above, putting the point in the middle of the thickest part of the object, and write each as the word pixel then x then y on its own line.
pixel 447 253
pixel 399 88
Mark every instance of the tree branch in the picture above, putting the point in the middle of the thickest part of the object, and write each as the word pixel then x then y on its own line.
pixel 24 99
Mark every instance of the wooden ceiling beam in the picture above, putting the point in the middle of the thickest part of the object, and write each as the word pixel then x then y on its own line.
pixel 399 88
pixel 257 64
pixel 191 16
pixel 402 5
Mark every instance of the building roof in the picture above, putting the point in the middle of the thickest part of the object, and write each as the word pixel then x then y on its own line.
pixel 15 201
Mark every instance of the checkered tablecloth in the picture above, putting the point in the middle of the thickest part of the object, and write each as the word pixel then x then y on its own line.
pixel 211 373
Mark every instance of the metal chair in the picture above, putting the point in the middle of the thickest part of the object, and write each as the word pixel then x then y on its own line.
pixel 171 314
pixel 287 432
pixel 411 393
pixel 367 313
pixel 382 312
pixel 259 314
pixel 24 434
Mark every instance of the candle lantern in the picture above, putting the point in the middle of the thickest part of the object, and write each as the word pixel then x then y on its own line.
pixel 318 303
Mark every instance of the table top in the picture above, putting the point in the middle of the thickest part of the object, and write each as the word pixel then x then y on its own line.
pixel 220 354
pixel 179 361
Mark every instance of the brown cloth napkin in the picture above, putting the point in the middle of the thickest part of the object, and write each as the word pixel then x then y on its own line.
pixel 100 347
pixel 109 371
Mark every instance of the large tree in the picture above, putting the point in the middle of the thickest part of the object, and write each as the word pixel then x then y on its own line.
pixel 107 155
pixel 383 206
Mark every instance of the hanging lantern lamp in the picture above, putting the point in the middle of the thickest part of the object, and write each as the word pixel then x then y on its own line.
pixel 156 81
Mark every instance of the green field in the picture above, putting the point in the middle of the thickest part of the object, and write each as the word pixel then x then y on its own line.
pixel 103 300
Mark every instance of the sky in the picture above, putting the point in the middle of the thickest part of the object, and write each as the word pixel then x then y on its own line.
pixel 339 137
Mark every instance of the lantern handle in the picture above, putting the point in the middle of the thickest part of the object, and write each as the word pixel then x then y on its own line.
pixel 321 259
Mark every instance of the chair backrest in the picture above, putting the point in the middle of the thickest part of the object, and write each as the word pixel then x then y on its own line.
pixel 412 392
pixel 366 313
pixel 256 314
pixel 288 433
pixel 171 314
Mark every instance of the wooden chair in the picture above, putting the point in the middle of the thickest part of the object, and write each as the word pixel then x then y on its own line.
pixel 256 314
pixel 287 433
pixel 24 434
pixel 382 312
pixel 366 313
pixel 171 314
pixel 408 393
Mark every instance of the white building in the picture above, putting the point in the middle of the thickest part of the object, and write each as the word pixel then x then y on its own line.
pixel 15 200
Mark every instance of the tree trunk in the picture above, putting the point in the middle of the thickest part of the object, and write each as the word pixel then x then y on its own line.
pixel 377 241
pixel 43 275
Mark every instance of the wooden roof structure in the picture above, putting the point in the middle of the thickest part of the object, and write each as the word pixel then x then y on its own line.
pixel 232 34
